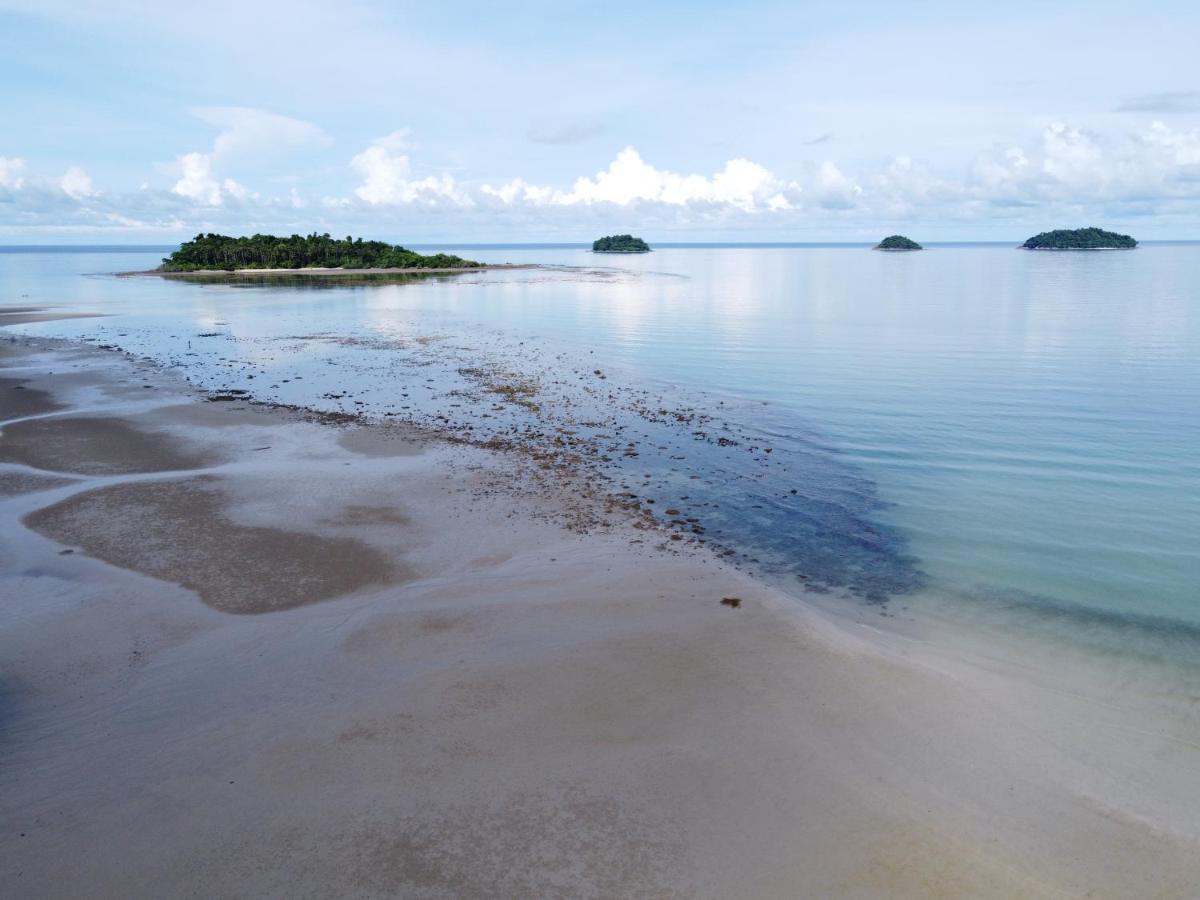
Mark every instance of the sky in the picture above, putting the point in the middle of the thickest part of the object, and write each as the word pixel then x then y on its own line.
pixel 146 122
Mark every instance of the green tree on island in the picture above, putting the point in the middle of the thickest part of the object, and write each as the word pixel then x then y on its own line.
pixel 898 242
pixel 265 251
pixel 620 243
pixel 1080 239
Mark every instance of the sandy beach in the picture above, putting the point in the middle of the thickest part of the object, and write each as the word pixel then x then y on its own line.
pixel 318 272
pixel 249 651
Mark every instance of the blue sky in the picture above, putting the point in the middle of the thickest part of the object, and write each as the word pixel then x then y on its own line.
pixel 146 121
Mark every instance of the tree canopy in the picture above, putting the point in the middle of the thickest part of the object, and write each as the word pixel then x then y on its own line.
pixel 1080 239
pixel 898 242
pixel 265 251
pixel 620 243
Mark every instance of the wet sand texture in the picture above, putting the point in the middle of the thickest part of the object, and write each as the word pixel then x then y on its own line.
pixel 14 483
pixel 178 531
pixel 96 446
pixel 20 315
pixel 17 400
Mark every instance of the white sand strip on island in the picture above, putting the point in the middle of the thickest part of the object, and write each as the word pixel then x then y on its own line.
pixel 250 653
pixel 320 271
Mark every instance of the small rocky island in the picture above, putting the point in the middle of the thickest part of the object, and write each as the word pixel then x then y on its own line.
pixel 620 243
pixel 1080 239
pixel 898 242
pixel 217 252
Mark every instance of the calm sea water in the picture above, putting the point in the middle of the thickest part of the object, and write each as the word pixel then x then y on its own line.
pixel 1004 427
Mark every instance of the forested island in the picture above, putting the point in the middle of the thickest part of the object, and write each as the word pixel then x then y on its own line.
pixel 620 243
pixel 898 242
pixel 217 252
pixel 1080 239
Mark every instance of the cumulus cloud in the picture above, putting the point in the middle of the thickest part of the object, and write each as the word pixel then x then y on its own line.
pixel 833 189
pixel 1071 165
pixel 197 182
pixel 519 190
pixel 245 130
pixel 386 172
pixel 629 179
pixel 10 172
pixel 245 133
pixel 1061 172
pixel 1064 166
pixel 76 183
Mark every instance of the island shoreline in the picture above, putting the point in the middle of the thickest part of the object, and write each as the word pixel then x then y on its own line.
pixel 328 272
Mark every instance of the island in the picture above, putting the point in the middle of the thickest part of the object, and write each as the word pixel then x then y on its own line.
pixel 1080 239
pixel 620 243
pixel 220 253
pixel 898 242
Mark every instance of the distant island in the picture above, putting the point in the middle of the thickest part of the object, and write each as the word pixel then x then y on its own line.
pixel 620 243
pixel 1080 239
pixel 217 252
pixel 898 242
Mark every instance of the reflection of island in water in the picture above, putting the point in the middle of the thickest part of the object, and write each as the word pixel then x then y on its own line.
pixel 322 278
pixel 1080 239
pixel 620 243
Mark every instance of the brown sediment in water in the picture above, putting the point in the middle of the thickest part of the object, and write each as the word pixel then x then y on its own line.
pixel 205 415
pixel 90 445
pixel 179 531
pixel 384 441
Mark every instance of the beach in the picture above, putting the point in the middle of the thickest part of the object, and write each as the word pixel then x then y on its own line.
pixel 322 272
pixel 265 651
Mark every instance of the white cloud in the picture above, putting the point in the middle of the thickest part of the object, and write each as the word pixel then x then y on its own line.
pixel 386 170
pixel 248 131
pixel 1063 173
pixel 1073 158
pixel 76 183
pixel 196 181
pixel 519 189
pixel 11 168
pixel 833 189
pixel 630 179
pixel 1070 165
pixel 245 133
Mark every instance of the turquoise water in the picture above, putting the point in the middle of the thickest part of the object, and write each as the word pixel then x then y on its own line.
pixel 998 425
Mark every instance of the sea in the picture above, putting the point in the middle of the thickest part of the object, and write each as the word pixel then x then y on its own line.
pixel 972 431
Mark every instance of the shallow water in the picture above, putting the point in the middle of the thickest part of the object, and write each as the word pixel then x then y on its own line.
pixel 1010 429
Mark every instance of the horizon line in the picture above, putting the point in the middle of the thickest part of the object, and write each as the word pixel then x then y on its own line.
pixel 571 245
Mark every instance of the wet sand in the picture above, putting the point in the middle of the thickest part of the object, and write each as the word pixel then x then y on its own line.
pixel 177 531
pixel 435 689
pixel 19 315
pixel 17 399
pixel 93 445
